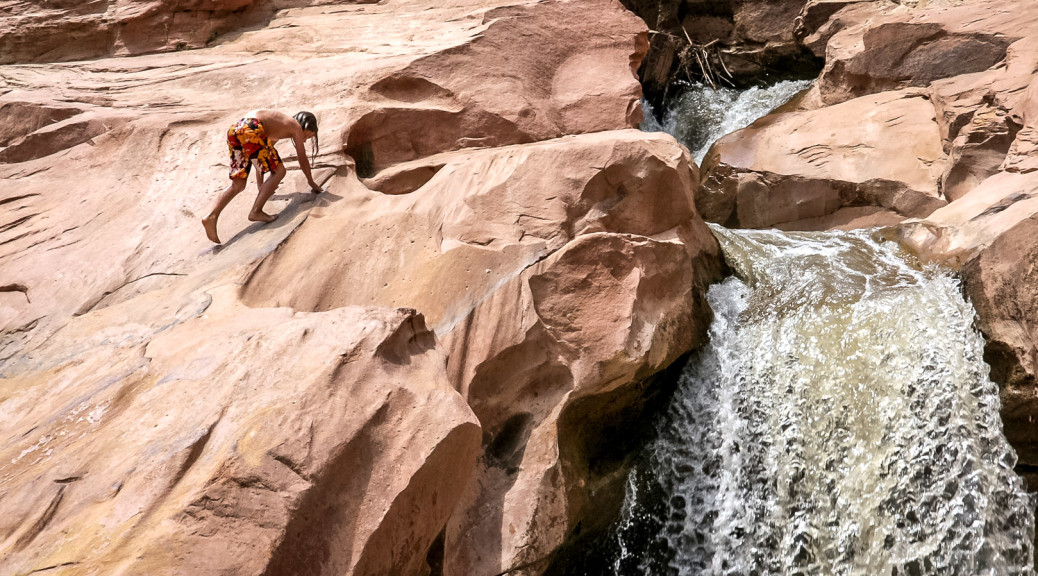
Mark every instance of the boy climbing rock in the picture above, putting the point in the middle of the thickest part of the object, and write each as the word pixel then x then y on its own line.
pixel 252 139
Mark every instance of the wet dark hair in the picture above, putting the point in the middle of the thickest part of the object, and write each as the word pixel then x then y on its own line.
pixel 307 121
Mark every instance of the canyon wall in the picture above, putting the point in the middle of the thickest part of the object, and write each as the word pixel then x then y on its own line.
pixel 421 370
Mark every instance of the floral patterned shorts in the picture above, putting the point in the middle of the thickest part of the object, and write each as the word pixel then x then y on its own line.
pixel 247 141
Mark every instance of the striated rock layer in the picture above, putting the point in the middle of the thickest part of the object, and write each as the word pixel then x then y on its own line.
pixel 924 115
pixel 413 371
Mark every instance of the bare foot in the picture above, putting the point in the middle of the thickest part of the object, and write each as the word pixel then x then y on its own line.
pixel 210 228
pixel 262 217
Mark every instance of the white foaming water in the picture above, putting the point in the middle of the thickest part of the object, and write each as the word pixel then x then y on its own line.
pixel 702 114
pixel 840 422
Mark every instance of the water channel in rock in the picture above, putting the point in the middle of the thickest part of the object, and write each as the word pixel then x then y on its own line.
pixel 840 421
pixel 699 115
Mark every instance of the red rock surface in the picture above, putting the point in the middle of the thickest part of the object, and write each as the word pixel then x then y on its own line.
pixel 882 150
pixel 332 392
pixel 546 287
pixel 1001 282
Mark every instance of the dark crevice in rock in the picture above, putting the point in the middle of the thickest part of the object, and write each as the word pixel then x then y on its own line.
pixel 721 42
pixel 505 448
pixel 19 119
pixel 26 538
pixel 401 179
pixel 434 559
pixel 605 435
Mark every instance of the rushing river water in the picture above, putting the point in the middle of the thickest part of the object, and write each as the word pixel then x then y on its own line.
pixel 840 421
pixel 700 115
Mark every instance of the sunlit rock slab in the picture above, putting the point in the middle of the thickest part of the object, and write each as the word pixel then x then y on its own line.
pixel 882 150
pixel 236 441
pixel 145 134
pixel 877 46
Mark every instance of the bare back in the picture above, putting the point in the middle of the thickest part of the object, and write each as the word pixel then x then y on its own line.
pixel 280 126
pixel 277 125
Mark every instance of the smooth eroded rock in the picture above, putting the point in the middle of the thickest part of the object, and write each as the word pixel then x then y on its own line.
pixel 195 451
pixel 554 273
pixel 882 150
pixel 871 47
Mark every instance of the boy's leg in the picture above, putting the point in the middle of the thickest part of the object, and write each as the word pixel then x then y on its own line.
pixel 265 192
pixel 209 222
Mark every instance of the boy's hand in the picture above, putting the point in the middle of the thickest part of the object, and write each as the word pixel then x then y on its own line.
pixel 315 188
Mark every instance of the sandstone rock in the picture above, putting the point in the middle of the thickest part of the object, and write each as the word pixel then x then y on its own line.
pixel 499 210
pixel 872 47
pixel 793 166
pixel 818 13
pixel 958 232
pixel 150 174
pixel 188 451
pixel 184 360
pixel 978 152
pixel 529 383
pixel 1002 283
pixel 851 218
pixel 981 116
pixel 547 286
pixel 56 30
pixel 585 82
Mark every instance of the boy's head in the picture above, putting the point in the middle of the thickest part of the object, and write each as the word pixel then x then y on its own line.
pixel 308 122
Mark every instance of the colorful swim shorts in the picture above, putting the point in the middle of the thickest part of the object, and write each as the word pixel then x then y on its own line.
pixel 247 141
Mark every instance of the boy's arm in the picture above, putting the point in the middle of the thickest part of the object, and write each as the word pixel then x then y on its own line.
pixel 304 162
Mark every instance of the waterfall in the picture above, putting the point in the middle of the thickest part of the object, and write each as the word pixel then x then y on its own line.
pixel 840 422
pixel 701 114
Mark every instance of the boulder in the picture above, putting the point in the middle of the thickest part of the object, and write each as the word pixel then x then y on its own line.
pixel 573 80
pixel 872 47
pixel 547 384
pixel 60 30
pixel 959 231
pixel 1002 283
pixel 480 220
pixel 793 166
pixel 981 115
pixel 557 274
pixel 850 218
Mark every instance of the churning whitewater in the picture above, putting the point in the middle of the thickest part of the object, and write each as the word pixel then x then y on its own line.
pixel 701 114
pixel 840 422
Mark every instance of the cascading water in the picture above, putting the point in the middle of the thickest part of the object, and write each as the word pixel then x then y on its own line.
pixel 701 115
pixel 840 421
